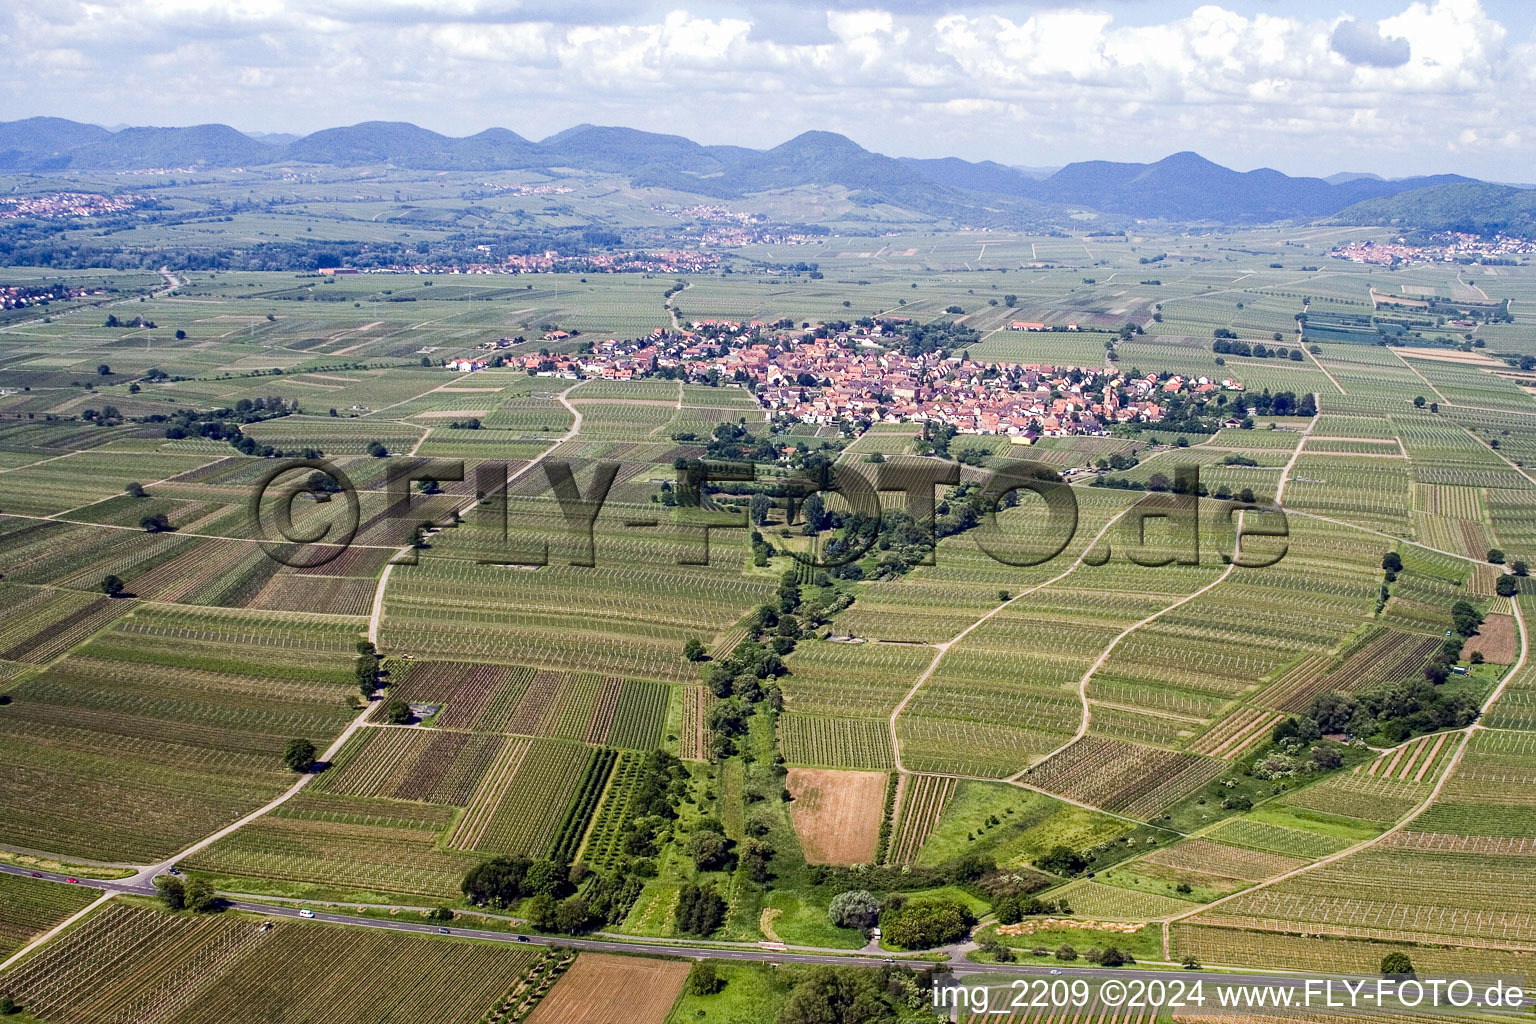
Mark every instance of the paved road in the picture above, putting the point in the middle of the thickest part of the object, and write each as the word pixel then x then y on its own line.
pixel 712 952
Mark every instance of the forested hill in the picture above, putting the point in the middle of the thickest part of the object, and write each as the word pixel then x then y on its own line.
pixel 1473 206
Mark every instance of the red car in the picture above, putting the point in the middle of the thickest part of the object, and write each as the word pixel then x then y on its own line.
pixel 72 881
pixel 37 874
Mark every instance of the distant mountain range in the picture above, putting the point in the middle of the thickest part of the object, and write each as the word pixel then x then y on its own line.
pixel 1183 187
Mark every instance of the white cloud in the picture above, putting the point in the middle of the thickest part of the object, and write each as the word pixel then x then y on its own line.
pixel 1361 42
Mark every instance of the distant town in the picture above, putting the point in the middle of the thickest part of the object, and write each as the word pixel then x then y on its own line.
pixel 50 205
pixel 21 296
pixel 648 262
pixel 1448 247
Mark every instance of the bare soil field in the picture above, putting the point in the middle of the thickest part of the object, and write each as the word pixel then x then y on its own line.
pixel 603 989
pixel 837 814
pixel 1449 356
pixel 1497 639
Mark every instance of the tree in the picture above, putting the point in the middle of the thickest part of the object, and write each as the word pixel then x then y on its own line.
pixel 201 899
pixel 112 586
pixel 857 908
pixel 1495 556
pixel 708 849
pixel 135 490
pixel 8 1005
pixel 1392 562
pixel 1396 963
pixel 104 370
pixel 540 911
pixel 398 712
pixel 1519 568
pixel 299 755
pixel 157 523
pixel 377 450
pixel 693 650
pixel 1418 401
pixel 1066 953
pixel 1507 586
pixel 574 916
pixel 754 859
pixel 704 980
pixel 171 892
pixel 547 877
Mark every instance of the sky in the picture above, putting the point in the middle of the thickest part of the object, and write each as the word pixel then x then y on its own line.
pixel 1305 86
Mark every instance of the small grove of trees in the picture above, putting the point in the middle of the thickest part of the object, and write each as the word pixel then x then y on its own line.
pixel 299 755
pixel 1062 860
pixel 700 910
pixel 193 894
pixel 1014 907
pixel 546 888
pixel 925 923
pixel 501 881
pixel 852 995
pixel 112 586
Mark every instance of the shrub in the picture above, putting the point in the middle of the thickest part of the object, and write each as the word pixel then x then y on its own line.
pixel 704 979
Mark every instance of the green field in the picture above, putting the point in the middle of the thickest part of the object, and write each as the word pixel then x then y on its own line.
pixel 537 662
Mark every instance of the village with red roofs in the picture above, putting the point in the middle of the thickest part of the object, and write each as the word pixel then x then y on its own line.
pixel 852 375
